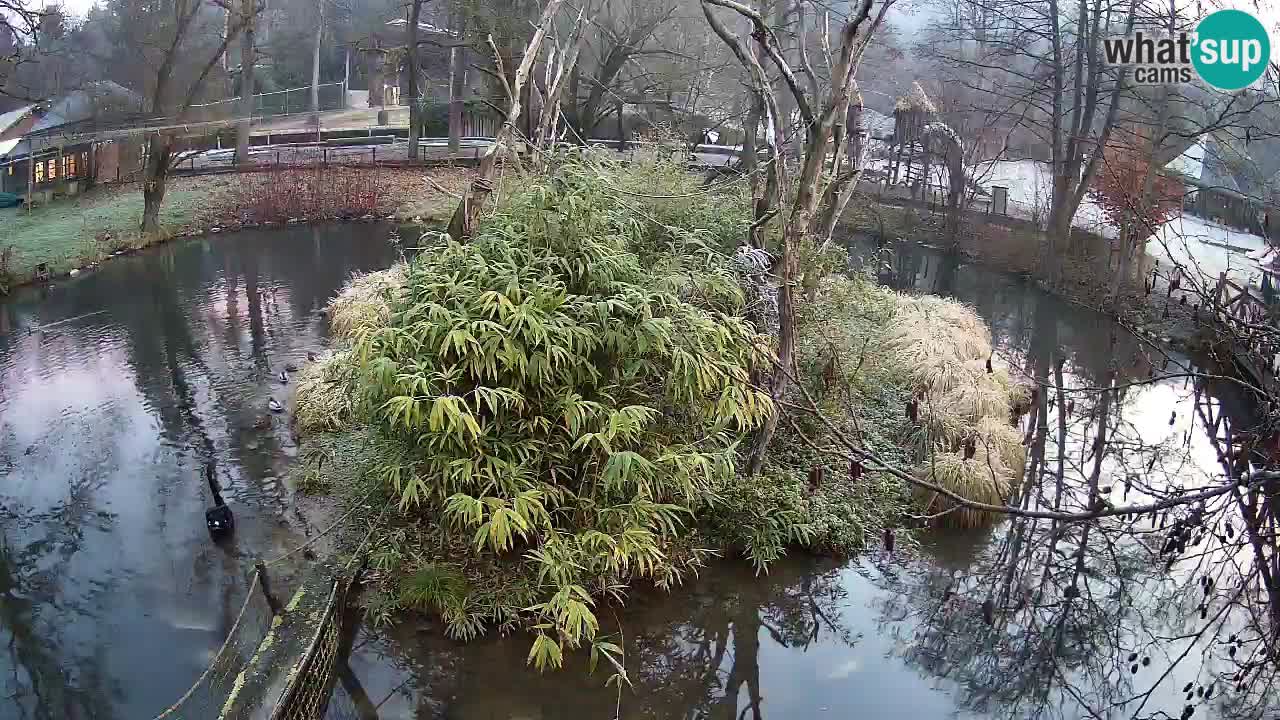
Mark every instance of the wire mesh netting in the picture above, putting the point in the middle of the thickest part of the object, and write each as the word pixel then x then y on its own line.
pixel 307 694
pixel 289 101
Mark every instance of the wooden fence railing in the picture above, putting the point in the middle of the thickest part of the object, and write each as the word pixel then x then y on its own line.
pixel 1247 312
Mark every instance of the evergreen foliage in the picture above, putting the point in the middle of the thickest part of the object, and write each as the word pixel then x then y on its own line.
pixel 550 402
pixel 556 406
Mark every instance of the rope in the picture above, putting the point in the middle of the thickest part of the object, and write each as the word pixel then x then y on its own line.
pixel 367 536
pixel 327 530
pixel 205 675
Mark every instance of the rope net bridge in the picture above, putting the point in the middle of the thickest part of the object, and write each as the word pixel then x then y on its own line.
pixel 306 695
pixel 280 661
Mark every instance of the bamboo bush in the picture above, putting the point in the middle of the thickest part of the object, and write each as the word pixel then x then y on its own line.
pixel 553 405
pixel 557 406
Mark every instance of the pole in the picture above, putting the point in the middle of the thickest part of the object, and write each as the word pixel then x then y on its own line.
pixel 346 76
pixel 31 174
pixel 622 138
pixel 456 70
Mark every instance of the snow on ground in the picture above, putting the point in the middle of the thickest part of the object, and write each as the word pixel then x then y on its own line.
pixel 1190 241
pixel 1210 248
pixel 1030 186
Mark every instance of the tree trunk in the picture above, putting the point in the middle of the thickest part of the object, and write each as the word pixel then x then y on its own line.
pixel 315 66
pixel 411 59
pixel 559 68
pixel 795 230
pixel 377 83
pixel 456 70
pixel 248 57
pixel 750 126
pixel 465 216
pixel 154 177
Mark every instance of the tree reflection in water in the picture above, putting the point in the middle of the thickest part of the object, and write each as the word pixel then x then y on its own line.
pixel 693 655
pixel 1037 618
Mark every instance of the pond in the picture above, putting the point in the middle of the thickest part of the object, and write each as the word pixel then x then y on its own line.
pixel 118 388
pixel 903 635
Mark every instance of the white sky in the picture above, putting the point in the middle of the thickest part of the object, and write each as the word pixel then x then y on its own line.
pixel 1267 10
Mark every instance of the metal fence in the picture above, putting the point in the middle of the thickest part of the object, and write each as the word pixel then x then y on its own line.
pixel 290 101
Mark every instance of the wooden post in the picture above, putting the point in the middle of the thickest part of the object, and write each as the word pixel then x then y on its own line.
pixel 456 75
pixel 31 174
pixel 622 138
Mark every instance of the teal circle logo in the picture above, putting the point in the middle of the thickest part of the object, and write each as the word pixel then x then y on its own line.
pixel 1232 49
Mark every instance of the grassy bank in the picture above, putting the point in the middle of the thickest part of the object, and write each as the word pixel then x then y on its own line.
pixel 555 411
pixel 75 232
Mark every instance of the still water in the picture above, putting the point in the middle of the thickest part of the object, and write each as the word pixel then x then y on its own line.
pixel 889 635
pixel 118 388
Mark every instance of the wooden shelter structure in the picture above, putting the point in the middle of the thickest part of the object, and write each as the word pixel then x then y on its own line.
pixel 911 114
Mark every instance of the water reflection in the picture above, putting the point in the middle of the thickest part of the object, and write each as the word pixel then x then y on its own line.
pixel 116 390
pixel 1034 619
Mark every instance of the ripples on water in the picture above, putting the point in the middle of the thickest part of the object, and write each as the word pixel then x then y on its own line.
pixel 116 388
pixel 112 598
pixel 885 636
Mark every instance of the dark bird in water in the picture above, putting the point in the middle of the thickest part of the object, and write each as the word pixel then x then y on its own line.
pixel 311 357
pixel 274 406
pixel 283 377
pixel 290 367
pixel 218 518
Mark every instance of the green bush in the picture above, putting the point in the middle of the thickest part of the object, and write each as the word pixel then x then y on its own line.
pixel 552 403
pixel 842 367
pixel 557 405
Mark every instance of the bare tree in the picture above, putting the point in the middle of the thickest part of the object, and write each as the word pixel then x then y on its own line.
pixel 820 109
pixel 178 32
pixel 249 10
pixel 20 26
pixel 1035 60
pixel 467 213
pixel 616 36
